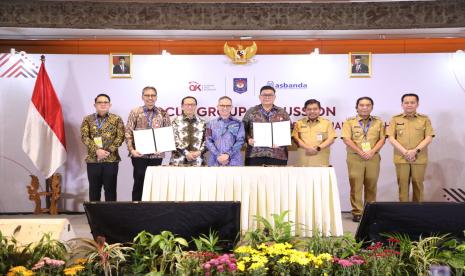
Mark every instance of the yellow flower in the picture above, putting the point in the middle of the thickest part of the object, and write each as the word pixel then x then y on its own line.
pixel 299 257
pixel 20 271
pixel 255 266
pixel 283 260
pixel 80 261
pixel 73 270
pixel 325 257
pixel 276 249
pixel 240 266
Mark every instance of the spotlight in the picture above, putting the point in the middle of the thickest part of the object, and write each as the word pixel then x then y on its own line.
pixel 165 53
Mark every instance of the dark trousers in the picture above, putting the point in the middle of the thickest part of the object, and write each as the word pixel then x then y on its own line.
pixel 102 174
pixel 264 161
pixel 140 165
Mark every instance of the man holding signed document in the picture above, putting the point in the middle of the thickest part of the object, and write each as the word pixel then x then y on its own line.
pixel 148 136
pixel 268 131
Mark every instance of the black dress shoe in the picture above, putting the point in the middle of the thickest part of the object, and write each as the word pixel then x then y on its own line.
pixel 356 218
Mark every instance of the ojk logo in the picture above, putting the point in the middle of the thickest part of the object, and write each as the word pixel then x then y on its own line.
pixel 194 86
pixel 197 87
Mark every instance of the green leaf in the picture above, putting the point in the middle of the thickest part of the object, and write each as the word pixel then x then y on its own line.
pixel 181 241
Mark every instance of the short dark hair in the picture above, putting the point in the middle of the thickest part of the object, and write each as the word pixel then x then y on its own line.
pixel 188 97
pixel 312 101
pixel 267 87
pixel 148 88
pixel 102 95
pixel 357 57
pixel 121 57
pixel 364 98
pixel 224 98
pixel 409 95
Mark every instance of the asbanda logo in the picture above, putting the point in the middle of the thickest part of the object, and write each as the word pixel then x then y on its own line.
pixel 197 87
pixel 287 85
pixel 17 65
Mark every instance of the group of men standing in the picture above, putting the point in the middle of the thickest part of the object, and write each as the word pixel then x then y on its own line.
pixel 409 132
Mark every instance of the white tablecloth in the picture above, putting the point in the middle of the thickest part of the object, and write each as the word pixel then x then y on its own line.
pixel 309 193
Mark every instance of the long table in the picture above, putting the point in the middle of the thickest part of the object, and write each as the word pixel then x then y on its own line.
pixel 310 194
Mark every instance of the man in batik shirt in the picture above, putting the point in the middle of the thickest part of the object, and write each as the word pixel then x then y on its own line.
pixel 225 137
pixel 144 117
pixel 189 136
pixel 102 133
pixel 265 112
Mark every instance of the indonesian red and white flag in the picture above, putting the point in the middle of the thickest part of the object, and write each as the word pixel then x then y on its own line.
pixel 44 132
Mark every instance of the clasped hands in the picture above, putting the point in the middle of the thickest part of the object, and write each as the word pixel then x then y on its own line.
pixel 192 155
pixel 102 154
pixel 410 155
pixel 309 150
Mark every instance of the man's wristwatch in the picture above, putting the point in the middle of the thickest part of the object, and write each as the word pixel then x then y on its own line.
pixel 318 148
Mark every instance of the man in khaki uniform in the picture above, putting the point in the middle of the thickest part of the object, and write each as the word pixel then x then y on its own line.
pixel 410 133
pixel 364 136
pixel 314 135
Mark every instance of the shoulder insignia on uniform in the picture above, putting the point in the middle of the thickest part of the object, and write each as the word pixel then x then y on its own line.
pixel 351 118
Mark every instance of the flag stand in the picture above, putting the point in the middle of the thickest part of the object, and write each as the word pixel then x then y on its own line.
pixel 53 184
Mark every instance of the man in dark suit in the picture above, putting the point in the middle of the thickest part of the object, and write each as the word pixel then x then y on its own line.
pixel 358 66
pixel 121 68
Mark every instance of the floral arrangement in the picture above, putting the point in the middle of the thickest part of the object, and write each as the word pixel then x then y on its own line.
pixel 281 259
pixel 270 250
pixel 225 264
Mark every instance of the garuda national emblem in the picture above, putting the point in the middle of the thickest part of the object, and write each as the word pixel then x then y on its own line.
pixel 240 55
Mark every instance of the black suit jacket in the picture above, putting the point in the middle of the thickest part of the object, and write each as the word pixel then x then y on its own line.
pixel 117 69
pixel 363 68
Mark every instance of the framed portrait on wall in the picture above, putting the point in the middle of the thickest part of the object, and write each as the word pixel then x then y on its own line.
pixel 360 64
pixel 120 65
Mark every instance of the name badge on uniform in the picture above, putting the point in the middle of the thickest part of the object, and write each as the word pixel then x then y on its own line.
pixel 98 141
pixel 319 137
pixel 366 146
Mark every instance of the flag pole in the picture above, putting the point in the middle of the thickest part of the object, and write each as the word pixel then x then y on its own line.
pixel 48 181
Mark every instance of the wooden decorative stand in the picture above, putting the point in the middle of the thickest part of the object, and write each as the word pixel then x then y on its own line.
pixel 54 194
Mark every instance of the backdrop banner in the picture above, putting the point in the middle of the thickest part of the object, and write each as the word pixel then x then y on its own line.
pixel 439 80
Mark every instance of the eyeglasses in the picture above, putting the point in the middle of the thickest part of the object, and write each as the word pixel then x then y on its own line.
pixel 189 105
pixel 150 96
pixel 267 95
pixel 102 102
pixel 224 106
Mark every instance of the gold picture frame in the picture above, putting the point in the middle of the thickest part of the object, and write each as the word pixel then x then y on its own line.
pixel 360 65
pixel 120 65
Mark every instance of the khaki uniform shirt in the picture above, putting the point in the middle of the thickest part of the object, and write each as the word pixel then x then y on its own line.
pixel 313 133
pixel 355 132
pixel 409 132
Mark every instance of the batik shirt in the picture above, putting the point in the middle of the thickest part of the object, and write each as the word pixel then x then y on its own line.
pixel 110 128
pixel 225 136
pixel 257 114
pixel 139 119
pixel 189 135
